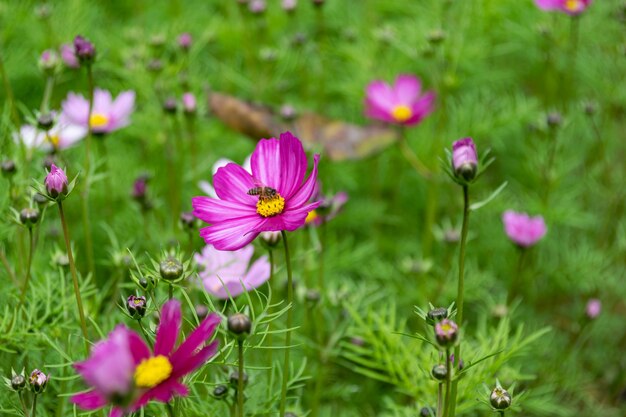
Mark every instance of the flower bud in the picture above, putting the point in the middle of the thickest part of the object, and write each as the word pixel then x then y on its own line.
pixel 257 6
pixel 436 315
pixel 593 309
pixel 68 55
pixel 49 61
pixel 446 332
pixel 271 239
pixel 288 112
pixel 500 399
pixel 590 108
pixel 170 106
pixel 136 306
pixel 29 217
pixel 8 168
pixel 38 381
pixel 84 50
pixel 171 269
pixel 189 103
pixel 425 412
pixel 554 119
pixel 289 5
pixel 146 283
pixel 56 183
pixel 234 379
pixel 45 121
pixel 239 325
pixel 18 382
pixel 312 296
pixel 184 41
pixel 220 391
pixel 439 372
pixel 188 220
pixel 201 311
pixel 464 159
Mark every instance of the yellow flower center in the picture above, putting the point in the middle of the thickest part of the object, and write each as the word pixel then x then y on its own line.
pixel 98 120
pixel 54 140
pixel 268 207
pixel 401 113
pixel 311 217
pixel 152 371
pixel 572 5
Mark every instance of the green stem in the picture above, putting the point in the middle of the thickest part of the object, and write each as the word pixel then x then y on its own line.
pixel 286 367
pixel 47 93
pixel 410 156
pixel 171 292
pixel 85 194
pixel 270 353
pixel 143 330
pixel 240 381
pixel 33 410
pixel 70 257
pixel 516 284
pixel 440 400
pixel 24 408
pixel 7 266
pixel 170 410
pixel 28 265
pixel 447 404
pixel 459 296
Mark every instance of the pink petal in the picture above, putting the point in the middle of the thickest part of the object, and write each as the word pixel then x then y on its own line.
pixel 232 234
pixel 168 329
pixel 123 106
pixel 102 102
pixel 162 392
pixel 407 89
pixel 306 191
pixel 259 273
pixel 116 412
pixel 196 339
pixel 380 94
pixel 422 108
pixel 212 210
pixel 192 363
pixel 232 183
pixel 549 4
pixel 374 111
pixel 138 347
pixel 76 109
pixel 90 400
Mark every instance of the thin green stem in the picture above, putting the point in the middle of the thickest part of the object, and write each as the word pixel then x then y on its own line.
pixel 516 283
pixel 286 367
pixel 171 292
pixel 410 156
pixel 170 410
pixel 24 408
pixel 70 257
pixel 143 331
pixel 447 404
pixel 240 381
pixel 28 266
pixel 33 410
pixel 7 266
pixel 47 93
pixel 459 295
pixel 270 352
pixel 440 400
pixel 85 194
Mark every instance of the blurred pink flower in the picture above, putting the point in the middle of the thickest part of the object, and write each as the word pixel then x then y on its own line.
pixel 523 230
pixel 124 373
pixel 61 136
pixel 107 114
pixel 593 309
pixel 329 208
pixel 572 7
pixel 69 56
pixel 237 216
pixel 189 103
pixel 224 272
pixel 184 40
pixel 401 103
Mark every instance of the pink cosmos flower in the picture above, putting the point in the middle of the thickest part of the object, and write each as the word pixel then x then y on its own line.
pixel 523 230
pixel 593 309
pixel 222 162
pixel 69 56
pixel 572 7
pixel 401 103
pixel 225 271
pixel 62 135
pixel 122 371
pixel 56 182
pixel 107 114
pixel 273 197
pixel 189 103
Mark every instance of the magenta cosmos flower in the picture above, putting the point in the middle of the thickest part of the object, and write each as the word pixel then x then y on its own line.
pixel 273 197
pixel 522 229
pixel 224 272
pixel 572 7
pixel 401 103
pixel 122 371
pixel 107 114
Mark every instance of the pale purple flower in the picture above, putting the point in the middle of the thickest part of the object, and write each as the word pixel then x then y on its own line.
pixel 522 229
pixel 401 103
pixel 572 7
pixel 289 5
pixel 446 332
pixel 464 159
pixel 38 381
pixel 257 6
pixel 224 272
pixel 68 55
pixel 184 40
pixel 594 307
pixel 189 103
pixel 56 182
pixel 62 135
pixel 84 50
pixel 107 114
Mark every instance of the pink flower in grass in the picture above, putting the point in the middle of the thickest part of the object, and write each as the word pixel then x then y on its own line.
pixel 124 373
pixel 329 208
pixel 56 182
pixel 522 229
pixel 107 114
pixel 594 307
pixel 225 271
pixel 572 7
pixel 68 55
pixel 401 103
pixel 273 197
pixel 61 136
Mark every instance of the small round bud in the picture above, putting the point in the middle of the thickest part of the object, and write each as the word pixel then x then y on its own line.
pixel 188 220
pixel 220 391
pixel 184 41
pixel 18 382
pixel 85 50
pixel 425 412
pixel 201 311
pixel 240 325
pixel 312 296
pixel 288 112
pixel 439 372
pixel 29 217
pixel 146 283
pixel 45 121
pixel 500 399
pixel 554 119
pixel 234 379
pixel 38 381
pixel 170 106
pixel 136 306
pixel 590 108
pixel 171 269
pixel 8 168
pixel 49 61
pixel 436 315
pixel 446 332
pixel 270 239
